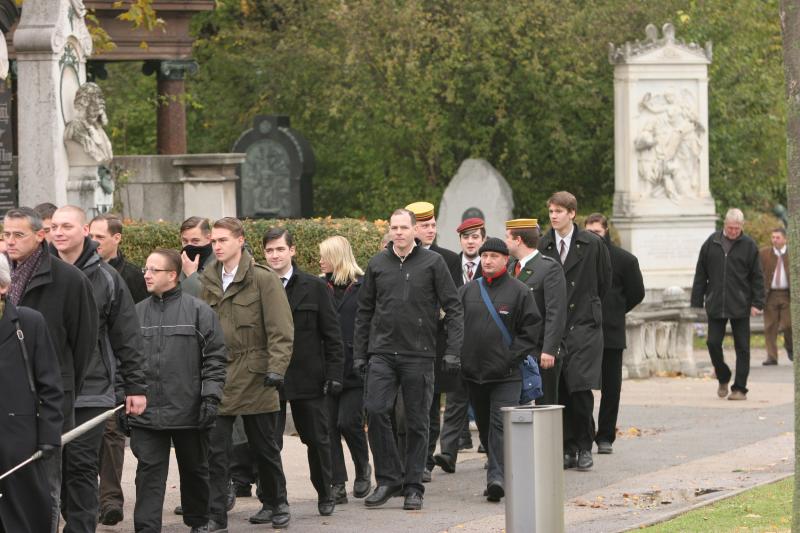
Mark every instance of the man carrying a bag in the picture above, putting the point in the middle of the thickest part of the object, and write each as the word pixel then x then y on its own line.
pixel 501 327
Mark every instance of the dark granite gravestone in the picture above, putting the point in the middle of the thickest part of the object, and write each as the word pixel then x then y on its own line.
pixel 275 178
pixel 8 179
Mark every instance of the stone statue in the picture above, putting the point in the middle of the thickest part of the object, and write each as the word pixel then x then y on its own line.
pixel 668 146
pixel 86 128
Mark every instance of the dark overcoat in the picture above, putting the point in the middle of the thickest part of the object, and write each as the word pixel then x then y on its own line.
pixel 317 354
pixel 446 381
pixel 347 307
pixel 587 271
pixel 25 505
pixel 626 292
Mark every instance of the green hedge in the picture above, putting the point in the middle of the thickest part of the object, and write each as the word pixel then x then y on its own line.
pixel 140 238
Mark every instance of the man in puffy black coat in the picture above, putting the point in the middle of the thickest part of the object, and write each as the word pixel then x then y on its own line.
pixel 729 281
pixel 317 360
pixel 626 292
pixel 489 366
pixel 118 352
pixel 186 358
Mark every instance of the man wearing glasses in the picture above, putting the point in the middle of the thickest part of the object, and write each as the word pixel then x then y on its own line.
pixel 64 297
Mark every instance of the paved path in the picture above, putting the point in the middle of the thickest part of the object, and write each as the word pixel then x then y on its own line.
pixel 679 445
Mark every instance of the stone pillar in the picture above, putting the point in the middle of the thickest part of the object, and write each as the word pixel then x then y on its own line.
pixel 209 183
pixel 663 208
pixel 51 43
pixel 171 114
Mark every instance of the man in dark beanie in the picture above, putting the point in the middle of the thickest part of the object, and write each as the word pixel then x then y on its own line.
pixel 491 355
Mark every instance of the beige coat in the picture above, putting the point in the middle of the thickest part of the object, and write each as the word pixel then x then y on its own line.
pixel 259 333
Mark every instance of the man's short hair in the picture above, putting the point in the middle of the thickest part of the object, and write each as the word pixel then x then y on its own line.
pixel 563 199
pixel 529 236
pixel 196 222
pixel 232 224
pixel 403 211
pixel 33 218
pixel 734 215
pixel 76 210
pixel 276 233
pixel 781 230
pixel 113 221
pixel 594 218
pixel 173 258
pixel 45 210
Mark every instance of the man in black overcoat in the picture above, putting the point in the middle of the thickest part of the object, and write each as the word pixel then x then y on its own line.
pixel 587 270
pixel 627 291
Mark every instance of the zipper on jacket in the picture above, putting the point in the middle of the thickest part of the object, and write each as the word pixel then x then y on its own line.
pixel 405 287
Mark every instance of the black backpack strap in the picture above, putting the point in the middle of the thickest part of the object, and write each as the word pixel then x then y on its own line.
pixel 26 360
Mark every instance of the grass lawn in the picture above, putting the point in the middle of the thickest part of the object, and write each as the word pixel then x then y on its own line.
pixel 764 509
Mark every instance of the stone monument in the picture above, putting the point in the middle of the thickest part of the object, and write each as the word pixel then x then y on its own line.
pixel 477 190
pixel 275 178
pixel 663 208
pixel 8 189
pixel 52 44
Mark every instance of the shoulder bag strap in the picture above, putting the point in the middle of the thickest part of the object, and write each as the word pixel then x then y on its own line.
pixel 493 312
pixel 25 359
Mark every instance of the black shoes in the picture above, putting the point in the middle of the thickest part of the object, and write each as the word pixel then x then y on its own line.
pixel 264 516
pixel 584 460
pixel 481 449
pixel 769 362
pixel 326 508
pixel 604 447
pixel 570 460
pixel 215 527
pixel 464 444
pixel 111 516
pixel 178 510
pixel 495 491
pixel 445 462
pixel 363 483
pixel 281 516
pixel 426 476
pixel 381 495
pixel 339 493
pixel 413 501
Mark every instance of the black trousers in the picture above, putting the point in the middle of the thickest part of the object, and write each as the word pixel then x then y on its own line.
pixel 311 421
pixel 487 399
pixel 740 327
pixel 609 395
pixel 151 448
pixel 434 426
pixel 456 411
pixel 578 418
pixel 263 438
pixel 53 467
pixel 385 375
pixel 346 419
pixel 112 459
pixel 551 377
pixel 81 464
pixel 243 465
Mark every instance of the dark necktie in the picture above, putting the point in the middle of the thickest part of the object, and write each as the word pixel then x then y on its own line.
pixel 470 272
pixel 563 252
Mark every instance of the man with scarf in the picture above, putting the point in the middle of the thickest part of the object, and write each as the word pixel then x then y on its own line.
pixel 119 344
pixel 63 295
pixel 106 231
pixel 195 254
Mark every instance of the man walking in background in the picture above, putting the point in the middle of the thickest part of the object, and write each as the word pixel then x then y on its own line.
pixel 777 311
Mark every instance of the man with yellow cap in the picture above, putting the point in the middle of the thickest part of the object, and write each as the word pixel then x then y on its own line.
pixel 545 278
pixel 425 232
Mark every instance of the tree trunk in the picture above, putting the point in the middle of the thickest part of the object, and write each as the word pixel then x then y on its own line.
pixel 790 28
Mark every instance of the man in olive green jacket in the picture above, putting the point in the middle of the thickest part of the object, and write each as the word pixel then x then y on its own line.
pixel 259 333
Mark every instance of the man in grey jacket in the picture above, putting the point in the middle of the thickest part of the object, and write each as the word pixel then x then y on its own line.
pixel 185 352
pixel 398 311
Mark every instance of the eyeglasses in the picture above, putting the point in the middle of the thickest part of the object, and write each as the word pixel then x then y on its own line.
pixel 153 270
pixel 16 235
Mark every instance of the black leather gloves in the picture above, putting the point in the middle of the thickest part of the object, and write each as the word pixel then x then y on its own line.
pixel 208 412
pixel 273 380
pixel 332 387
pixel 451 363
pixel 48 450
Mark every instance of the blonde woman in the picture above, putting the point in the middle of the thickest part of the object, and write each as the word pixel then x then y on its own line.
pixel 344 276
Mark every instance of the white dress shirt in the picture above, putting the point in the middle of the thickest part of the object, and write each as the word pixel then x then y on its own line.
pixel 228 278
pixel 779 280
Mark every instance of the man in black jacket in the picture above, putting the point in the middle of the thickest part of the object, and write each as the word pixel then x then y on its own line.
pixel 64 297
pixel 626 292
pixel 119 346
pixel 587 270
pixel 490 365
pixel 729 281
pixel 317 360
pixel 425 231
pixel 186 358
pixel 545 278
pixel 106 231
pixel 405 289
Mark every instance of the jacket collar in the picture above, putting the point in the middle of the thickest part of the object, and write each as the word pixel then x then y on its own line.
pixel 43 274
pixel 169 295
pixel 212 276
pixel 7 327
pixel 88 257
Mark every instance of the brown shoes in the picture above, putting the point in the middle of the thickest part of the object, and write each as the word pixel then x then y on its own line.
pixel 737 395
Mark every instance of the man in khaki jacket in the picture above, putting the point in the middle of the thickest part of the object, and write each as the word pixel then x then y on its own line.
pixel 777 312
pixel 259 333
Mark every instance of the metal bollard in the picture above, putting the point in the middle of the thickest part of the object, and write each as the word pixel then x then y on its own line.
pixel 534 473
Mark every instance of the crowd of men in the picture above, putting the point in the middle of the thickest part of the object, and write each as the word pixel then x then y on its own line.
pixel 207 349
